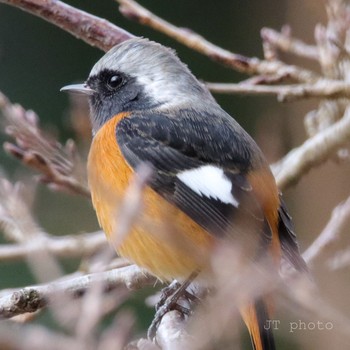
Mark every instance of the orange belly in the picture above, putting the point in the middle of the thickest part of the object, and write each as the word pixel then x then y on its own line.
pixel 163 240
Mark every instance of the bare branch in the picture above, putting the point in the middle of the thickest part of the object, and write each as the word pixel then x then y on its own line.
pixel 93 30
pixel 286 93
pixel 284 42
pixel 312 152
pixel 15 216
pixel 331 234
pixel 63 246
pixel 32 298
pixel 136 12
pixel 60 166
pixel 340 260
pixel 94 306
pixel 40 337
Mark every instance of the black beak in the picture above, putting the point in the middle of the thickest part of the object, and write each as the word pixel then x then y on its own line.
pixel 78 89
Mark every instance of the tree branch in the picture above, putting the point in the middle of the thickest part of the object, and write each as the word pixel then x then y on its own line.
pixel 284 42
pixel 60 165
pixel 286 93
pixel 312 152
pixel 318 149
pixel 331 234
pixel 33 298
pixel 63 246
pixel 136 12
pixel 93 30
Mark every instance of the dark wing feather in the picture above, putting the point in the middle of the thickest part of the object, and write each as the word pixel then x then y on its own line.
pixel 288 239
pixel 173 145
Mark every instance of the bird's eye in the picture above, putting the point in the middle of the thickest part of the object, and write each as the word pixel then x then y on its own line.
pixel 114 81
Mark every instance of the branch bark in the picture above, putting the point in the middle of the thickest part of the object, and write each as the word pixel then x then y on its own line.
pixel 60 165
pixel 312 152
pixel 93 30
pixel 331 234
pixel 63 246
pixel 100 33
pixel 284 42
pixel 249 65
pixel 32 298
pixel 286 93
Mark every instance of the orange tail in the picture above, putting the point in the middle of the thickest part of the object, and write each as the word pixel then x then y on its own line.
pixel 255 317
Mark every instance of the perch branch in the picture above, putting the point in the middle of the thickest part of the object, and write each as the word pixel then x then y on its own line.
pixel 33 298
pixel 93 30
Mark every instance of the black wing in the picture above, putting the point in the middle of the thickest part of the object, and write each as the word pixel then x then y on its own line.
pixel 173 145
pixel 288 239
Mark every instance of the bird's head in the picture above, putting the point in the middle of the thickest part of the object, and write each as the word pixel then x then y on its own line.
pixel 139 74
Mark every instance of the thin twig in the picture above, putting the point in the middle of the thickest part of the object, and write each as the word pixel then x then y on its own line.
pixel 340 260
pixel 331 234
pixel 94 306
pixel 249 65
pixel 312 152
pixel 284 42
pixel 16 220
pixel 60 165
pixel 93 30
pixel 40 337
pixel 63 246
pixel 286 93
pixel 297 163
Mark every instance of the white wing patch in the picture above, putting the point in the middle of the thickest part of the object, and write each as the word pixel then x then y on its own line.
pixel 209 181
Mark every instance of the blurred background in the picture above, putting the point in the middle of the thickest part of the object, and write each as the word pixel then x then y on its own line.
pixel 37 59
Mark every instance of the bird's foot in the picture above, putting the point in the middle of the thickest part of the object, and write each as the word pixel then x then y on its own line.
pixel 173 297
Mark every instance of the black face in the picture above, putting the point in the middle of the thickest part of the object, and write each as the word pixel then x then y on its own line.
pixel 107 83
pixel 115 93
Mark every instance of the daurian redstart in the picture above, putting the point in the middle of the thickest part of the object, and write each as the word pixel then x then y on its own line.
pixel 146 106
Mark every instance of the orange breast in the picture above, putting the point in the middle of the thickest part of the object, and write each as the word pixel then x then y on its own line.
pixel 164 240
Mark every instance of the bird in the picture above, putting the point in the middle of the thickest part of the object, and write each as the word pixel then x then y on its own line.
pixel 146 107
